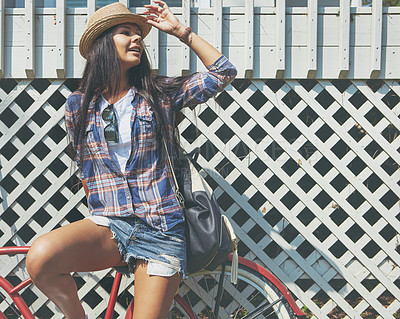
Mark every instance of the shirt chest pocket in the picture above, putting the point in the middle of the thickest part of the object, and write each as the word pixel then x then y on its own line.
pixel 93 145
pixel 146 128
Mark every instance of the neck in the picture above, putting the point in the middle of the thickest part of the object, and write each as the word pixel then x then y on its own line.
pixel 124 83
pixel 123 89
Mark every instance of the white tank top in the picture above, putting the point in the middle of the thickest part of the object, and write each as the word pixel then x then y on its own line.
pixel 120 151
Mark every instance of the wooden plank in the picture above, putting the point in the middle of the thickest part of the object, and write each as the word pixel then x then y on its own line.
pixel 155 49
pixel 267 33
pixel 312 12
pixel 344 39
pixel 218 24
pixel 48 37
pixel 61 37
pixel 204 3
pixel 249 38
pixel 280 38
pixel 91 8
pixel 186 50
pixel 30 38
pixel 376 38
pixel 391 28
pixel 2 23
pixel 125 3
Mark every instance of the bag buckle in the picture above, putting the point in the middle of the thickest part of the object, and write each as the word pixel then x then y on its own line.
pixel 180 198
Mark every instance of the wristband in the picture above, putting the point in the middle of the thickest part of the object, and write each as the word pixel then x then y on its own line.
pixel 185 34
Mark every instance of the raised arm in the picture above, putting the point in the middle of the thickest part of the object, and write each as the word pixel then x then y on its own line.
pixel 161 17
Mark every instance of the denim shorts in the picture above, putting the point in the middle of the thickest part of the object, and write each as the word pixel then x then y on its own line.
pixel 165 251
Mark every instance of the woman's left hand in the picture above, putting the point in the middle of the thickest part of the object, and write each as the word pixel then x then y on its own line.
pixel 161 17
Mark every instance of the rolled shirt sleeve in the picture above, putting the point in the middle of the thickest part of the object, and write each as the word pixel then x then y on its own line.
pixel 201 86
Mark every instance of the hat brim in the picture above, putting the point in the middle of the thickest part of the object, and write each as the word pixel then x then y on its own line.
pixel 101 25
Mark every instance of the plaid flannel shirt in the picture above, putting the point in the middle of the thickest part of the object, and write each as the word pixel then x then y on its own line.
pixel 145 189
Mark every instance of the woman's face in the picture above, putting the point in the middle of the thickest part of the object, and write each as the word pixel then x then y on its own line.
pixel 128 42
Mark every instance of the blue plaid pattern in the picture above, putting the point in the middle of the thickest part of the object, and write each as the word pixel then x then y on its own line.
pixel 145 189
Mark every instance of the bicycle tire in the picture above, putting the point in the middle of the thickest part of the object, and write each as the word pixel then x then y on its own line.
pixel 252 291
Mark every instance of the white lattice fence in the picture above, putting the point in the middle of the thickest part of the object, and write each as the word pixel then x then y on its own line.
pixel 37 191
pixel 307 170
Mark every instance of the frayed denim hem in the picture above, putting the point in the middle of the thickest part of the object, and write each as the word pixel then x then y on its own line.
pixel 130 259
pixel 164 252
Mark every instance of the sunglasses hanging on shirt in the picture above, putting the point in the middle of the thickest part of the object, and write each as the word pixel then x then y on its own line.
pixel 111 129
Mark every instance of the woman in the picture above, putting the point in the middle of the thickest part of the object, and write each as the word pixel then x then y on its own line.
pixel 118 121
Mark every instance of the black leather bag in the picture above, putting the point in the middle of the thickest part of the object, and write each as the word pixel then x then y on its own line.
pixel 209 234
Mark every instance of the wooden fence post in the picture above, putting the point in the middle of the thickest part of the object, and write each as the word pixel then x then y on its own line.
pixel 186 50
pixel 249 39
pixel 218 24
pixel 280 38
pixel 344 39
pixel 2 21
pixel 61 33
pixel 30 38
pixel 376 38
pixel 312 38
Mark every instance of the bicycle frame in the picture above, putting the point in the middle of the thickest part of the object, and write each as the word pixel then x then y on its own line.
pixel 13 291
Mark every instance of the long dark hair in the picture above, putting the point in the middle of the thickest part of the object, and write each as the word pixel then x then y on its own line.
pixel 103 73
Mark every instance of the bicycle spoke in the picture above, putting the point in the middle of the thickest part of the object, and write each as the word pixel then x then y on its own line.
pixel 211 294
pixel 239 302
pixel 259 310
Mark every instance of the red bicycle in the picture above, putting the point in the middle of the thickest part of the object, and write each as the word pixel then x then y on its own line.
pixel 205 294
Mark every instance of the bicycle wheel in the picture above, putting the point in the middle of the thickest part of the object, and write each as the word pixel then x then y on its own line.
pixel 254 296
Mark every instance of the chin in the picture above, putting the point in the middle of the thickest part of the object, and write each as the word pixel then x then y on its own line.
pixel 130 65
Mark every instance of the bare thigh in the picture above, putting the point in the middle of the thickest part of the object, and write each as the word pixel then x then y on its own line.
pixel 79 246
pixel 153 294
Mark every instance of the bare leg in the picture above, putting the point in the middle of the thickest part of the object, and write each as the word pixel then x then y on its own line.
pixel 80 246
pixel 153 294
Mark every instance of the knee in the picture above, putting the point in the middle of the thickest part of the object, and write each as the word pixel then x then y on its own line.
pixel 38 258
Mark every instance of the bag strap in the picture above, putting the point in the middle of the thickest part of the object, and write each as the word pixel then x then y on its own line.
pixel 178 194
pixel 225 220
pixel 170 166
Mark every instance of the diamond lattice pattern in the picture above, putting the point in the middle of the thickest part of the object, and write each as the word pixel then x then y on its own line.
pixel 308 172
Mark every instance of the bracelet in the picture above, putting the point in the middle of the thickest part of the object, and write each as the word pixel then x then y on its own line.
pixel 185 34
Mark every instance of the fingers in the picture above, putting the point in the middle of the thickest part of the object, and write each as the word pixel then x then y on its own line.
pixel 154 11
pixel 161 3
pixel 160 16
pixel 154 8
pixel 155 19
pixel 152 20
pixel 157 8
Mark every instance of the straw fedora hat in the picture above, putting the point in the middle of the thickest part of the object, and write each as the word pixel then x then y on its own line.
pixel 107 17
